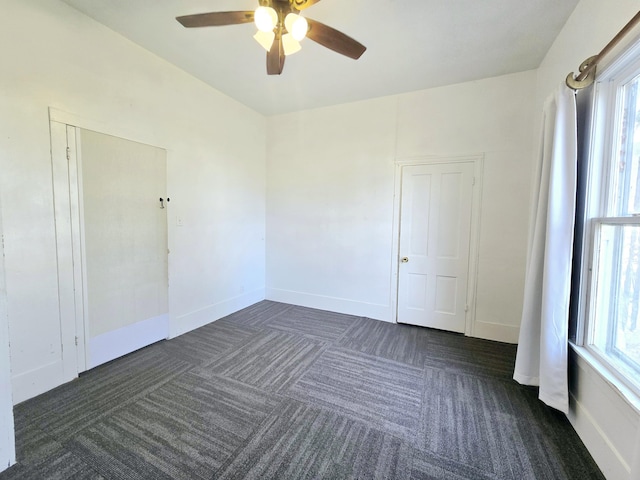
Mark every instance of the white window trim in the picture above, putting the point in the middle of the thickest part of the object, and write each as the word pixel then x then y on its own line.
pixel 620 387
pixel 603 133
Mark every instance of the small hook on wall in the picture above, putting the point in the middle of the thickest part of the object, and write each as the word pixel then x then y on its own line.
pixel 162 201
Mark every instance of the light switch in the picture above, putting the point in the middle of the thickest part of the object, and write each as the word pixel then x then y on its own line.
pixel 179 220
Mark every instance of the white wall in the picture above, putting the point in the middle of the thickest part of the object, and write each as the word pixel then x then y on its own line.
pixel 7 441
pixel 608 424
pixel 330 195
pixel 329 207
pixel 53 56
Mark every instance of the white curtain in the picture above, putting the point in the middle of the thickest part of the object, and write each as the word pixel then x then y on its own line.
pixel 543 345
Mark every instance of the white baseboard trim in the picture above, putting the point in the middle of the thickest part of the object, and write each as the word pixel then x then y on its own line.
pixel 606 420
pixel 115 344
pixel 39 380
pixel 111 345
pixel 331 304
pixel 199 318
pixel 496 331
pixel 603 452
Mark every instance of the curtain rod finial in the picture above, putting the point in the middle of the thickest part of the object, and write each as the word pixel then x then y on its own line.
pixel 586 76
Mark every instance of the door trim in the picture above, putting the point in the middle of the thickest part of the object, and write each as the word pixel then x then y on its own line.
pixel 7 429
pixel 62 143
pixel 474 240
pixel 72 275
pixel 115 130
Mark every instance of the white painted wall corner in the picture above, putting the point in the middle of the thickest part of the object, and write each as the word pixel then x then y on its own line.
pixel 332 304
pixel 199 318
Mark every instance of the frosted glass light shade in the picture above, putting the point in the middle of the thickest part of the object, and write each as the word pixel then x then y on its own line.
pixel 265 39
pixel 265 19
pixel 290 45
pixel 296 25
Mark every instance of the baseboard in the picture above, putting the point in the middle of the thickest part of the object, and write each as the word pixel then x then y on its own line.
pixel 496 332
pixel 115 344
pixel 599 446
pixel 331 304
pixel 39 380
pixel 112 345
pixel 607 425
pixel 204 316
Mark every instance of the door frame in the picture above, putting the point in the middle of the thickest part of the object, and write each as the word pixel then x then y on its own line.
pixel 474 241
pixel 68 256
pixel 68 213
pixel 7 428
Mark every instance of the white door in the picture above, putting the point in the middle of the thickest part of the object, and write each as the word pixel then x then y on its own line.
pixel 125 244
pixel 435 233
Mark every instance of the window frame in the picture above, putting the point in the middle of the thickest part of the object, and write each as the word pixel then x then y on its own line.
pixel 603 134
pixel 590 333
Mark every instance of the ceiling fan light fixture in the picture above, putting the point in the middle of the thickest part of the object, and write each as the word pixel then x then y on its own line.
pixel 280 29
pixel 265 39
pixel 290 45
pixel 265 18
pixel 296 25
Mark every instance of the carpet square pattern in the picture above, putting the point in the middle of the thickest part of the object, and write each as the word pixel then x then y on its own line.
pixel 277 391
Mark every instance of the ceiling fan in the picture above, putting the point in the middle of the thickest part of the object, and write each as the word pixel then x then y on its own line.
pixel 280 30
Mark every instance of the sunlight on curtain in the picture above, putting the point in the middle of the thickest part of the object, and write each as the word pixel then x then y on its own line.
pixel 543 345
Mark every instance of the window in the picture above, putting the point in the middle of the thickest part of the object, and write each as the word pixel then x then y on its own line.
pixel 613 212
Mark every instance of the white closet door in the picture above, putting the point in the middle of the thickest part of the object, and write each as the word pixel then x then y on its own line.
pixel 435 230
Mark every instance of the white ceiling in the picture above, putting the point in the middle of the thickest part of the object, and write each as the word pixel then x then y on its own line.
pixel 411 45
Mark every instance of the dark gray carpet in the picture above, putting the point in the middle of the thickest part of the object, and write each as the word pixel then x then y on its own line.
pixel 283 392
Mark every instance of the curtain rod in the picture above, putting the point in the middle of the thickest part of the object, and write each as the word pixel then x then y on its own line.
pixel 588 68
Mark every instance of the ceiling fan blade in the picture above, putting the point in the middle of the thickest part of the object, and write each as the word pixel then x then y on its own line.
pixel 302 4
pixel 334 40
pixel 215 19
pixel 275 57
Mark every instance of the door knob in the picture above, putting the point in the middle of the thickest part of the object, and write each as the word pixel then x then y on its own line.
pixel 404 259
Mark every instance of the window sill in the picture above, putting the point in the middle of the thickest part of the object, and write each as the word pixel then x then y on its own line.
pixel 628 395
